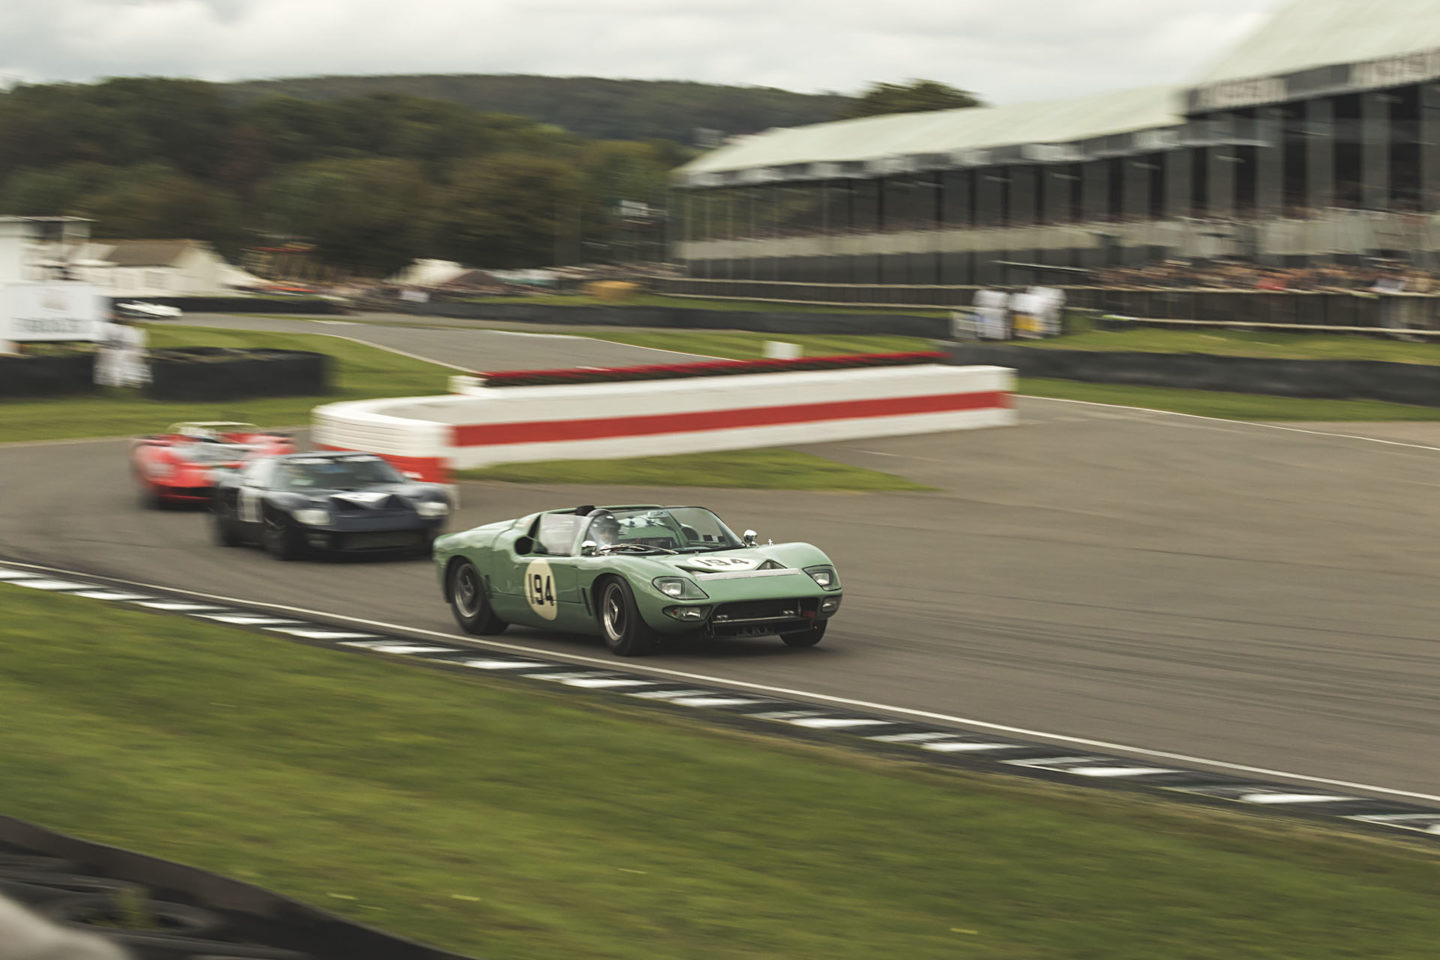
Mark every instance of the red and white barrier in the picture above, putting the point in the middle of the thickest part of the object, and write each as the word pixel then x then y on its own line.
pixel 487 425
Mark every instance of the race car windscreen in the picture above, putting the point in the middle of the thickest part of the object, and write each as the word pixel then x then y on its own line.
pixel 350 473
pixel 686 529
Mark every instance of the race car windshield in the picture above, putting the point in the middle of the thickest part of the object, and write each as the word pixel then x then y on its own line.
pixel 669 529
pixel 351 474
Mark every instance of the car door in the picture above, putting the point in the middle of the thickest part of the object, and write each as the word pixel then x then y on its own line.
pixel 255 480
pixel 545 574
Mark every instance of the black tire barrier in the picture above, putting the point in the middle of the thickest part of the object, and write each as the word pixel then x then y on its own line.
pixel 281 305
pixel 224 373
pixel 1412 383
pixel 47 376
pixel 681 318
pixel 161 910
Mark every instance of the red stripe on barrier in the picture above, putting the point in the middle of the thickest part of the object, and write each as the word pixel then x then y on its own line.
pixel 550 431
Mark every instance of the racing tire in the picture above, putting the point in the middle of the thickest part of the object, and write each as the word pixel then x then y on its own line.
pixel 149 498
pixel 223 528
pixel 626 633
pixel 805 638
pixel 468 602
pixel 281 540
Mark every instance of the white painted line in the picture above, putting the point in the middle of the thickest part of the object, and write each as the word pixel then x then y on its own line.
pixel 1267 797
pixel 245 619
pixel 505 664
pixel 967 746
pixel 310 633
pixel 838 723
pixel 1246 423
pixel 1421 822
pixel 51 584
pixel 6 573
pixel 715 701
pixel 391 646
pixel 590 675
pixel 111 595
pixel 850 703
pixel 911 737
pixel 601 683
pixel 176 605
pixel 669 694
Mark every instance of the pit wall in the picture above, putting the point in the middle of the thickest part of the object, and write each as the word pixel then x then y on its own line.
pixel 480 426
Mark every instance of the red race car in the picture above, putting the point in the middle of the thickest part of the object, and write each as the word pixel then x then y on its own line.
pixel 179 465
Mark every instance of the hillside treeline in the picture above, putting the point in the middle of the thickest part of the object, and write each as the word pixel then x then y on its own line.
pixel 594 107
pixel 373 180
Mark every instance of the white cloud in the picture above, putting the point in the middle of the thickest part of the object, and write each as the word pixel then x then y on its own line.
pixel 1004 51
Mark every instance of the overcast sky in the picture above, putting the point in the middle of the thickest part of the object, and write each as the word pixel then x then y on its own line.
pixel 1007 51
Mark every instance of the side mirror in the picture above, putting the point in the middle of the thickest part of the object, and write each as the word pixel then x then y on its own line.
pixel 750 537
pixel 588 548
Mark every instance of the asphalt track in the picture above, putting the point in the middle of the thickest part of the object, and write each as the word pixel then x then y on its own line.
pixel 1238 592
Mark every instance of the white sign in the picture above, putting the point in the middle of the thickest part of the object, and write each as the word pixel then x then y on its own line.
pixel 1239 93
pixel 51 311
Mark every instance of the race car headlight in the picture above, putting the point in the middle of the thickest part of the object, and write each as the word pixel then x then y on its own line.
pixel 679 588
pixel 159 468
pixel 430 509
pixel 824 577
pixel 313 516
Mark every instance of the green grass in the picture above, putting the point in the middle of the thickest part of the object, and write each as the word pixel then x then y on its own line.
pixel 1247 343
pixel 704 303
pixel 358 372
pixel 509 821
pixel 1232 406
pixel 771 469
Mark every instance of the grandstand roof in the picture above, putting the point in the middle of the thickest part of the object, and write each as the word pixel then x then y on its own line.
pixel 948 131
pixel 1313 33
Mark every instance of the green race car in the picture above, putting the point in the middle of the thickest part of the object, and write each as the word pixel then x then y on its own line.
pixel 634 576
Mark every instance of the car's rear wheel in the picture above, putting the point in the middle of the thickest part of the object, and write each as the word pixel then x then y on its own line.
pixel 805 638
pixel 468 601
pixel 280 540
pixel 626 632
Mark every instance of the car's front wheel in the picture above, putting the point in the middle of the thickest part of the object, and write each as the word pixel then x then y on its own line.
pixel 468 601
pixel 805 638
pixel 281 540
pixel 625 631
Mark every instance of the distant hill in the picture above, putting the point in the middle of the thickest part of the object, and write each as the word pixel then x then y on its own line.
pixel 592 107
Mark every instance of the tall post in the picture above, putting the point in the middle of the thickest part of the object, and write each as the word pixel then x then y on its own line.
pixel 1320 153
pixel 1375 151
pixel 1270 162
pixel 1430 147
pixel 1095 210
pixel 1179 186
pixel 1221 167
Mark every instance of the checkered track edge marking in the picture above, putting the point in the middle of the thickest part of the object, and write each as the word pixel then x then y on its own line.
pixel 937 744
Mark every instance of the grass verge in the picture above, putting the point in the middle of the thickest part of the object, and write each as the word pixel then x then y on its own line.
pixel 1230 406
pixel 1247 343
pixel 508 821
pixel 771 469
pixel 359 372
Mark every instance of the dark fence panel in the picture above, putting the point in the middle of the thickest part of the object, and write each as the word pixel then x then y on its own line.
pixel 224 373
pixel 46 376
pixel 241 304
pixel 1411 383
pixel 205 915
pixel 679 318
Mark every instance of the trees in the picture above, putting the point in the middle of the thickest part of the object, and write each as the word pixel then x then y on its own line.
pixel 913 97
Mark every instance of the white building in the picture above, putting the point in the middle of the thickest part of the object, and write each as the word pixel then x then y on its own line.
pixel 160 268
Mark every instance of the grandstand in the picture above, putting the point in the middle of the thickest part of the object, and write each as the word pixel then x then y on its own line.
pixel 1315 139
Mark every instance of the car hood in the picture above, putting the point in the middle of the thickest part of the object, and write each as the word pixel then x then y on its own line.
pixel 772 559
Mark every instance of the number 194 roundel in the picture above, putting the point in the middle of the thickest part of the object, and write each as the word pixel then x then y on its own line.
pixel 635 575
